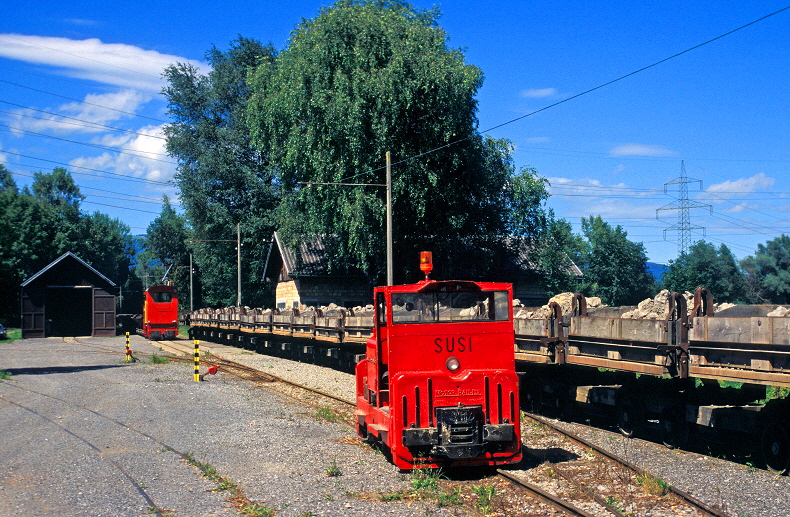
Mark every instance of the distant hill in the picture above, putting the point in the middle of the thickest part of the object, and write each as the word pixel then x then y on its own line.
pixel 657 270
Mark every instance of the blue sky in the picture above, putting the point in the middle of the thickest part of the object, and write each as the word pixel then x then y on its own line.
pixel 724 108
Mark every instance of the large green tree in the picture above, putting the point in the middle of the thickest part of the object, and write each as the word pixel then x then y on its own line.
pixel 615 268
pixel 768 271
pixel 223 180
pixel 557 250
pixel 364 78
pixel 706 266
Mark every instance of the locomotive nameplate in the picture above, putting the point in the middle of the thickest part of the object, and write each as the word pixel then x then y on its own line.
pixel 453 344
pixel 460 392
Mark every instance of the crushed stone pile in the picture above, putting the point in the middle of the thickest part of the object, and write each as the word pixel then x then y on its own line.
pixel 564 300
pixel 657 308
pixel 779 312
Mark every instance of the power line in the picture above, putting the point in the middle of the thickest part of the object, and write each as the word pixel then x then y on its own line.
pixel 80 57
pixel 120 176
pixel 91 124
pixel 576 96
pixel 82 101
pixel 136 199
pixel 121 150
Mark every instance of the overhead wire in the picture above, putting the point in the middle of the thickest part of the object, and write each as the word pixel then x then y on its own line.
pixel 91 124
pixel 119 176
pixel 120 150
pixel 83 101
pixel 576 96
pixel 28 42
pixel 134 198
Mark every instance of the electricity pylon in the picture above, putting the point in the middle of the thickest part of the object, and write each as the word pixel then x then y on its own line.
pixel 682 205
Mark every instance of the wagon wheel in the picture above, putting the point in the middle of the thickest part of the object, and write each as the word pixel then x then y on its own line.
pixel 775 447
pixel 630 417
pixel 674 428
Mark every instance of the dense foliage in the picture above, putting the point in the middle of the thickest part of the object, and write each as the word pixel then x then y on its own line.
pixel 615 268
pixel 706 266
pixel 768 272
pixel 40 223
pixel 164 252
pixel 223 180
pixel 364 78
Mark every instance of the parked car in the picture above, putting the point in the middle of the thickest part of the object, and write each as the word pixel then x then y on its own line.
pixel 3 333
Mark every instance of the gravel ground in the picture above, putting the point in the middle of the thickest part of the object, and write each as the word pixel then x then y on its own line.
pixel 739 490
pixel 86 434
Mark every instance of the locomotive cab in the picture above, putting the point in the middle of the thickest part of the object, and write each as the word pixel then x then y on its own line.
pixel 438 384
pixel 160 312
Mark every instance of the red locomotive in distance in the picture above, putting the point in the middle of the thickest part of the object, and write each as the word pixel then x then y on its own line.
pixel 438 384
pixel 160 313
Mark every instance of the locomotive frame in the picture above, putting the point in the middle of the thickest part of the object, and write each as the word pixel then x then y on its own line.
pixel 438 386
pixel 160 313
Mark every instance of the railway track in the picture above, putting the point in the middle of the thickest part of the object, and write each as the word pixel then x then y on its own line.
pixel 558 479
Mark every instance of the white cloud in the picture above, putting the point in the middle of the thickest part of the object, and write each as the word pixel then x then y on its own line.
pixel 539 93
pixel 641 150
pixel 149 161
pixel 108 63
pixel 742 186
pixel 93 111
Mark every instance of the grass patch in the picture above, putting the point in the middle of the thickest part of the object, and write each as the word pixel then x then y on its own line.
pixel 485 497
pixel 327 414
pixel 257 510
pixel 426 480
pixel 652 485
pixel 615 503
pixel 159 359
pixel 451 498
pixel 210 472
pixel 13 335
pixel 5 376
pixel 333 470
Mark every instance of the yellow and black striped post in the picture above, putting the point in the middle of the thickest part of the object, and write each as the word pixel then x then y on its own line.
pixel 128 350
pixel 197 361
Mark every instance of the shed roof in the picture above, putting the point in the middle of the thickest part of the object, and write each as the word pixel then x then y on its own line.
pixel 310 259
pixel 63 259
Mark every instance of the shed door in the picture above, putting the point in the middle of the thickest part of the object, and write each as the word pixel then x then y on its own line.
pixel 103 312
pixel 33 313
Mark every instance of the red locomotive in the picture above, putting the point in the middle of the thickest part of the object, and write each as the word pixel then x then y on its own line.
pixel 438 385
pixel 160 313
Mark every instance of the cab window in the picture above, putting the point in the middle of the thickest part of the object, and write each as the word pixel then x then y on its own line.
pixel 161 296
pixel 381 310
pixel 450 307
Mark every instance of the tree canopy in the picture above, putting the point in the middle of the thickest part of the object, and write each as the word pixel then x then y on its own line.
pixel 768 271
pixel 615 268
pixel 706 266
pixel 223 180
pixel 364 78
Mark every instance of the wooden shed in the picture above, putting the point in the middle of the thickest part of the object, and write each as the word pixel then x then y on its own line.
pixel 68 298
pixel 303 277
